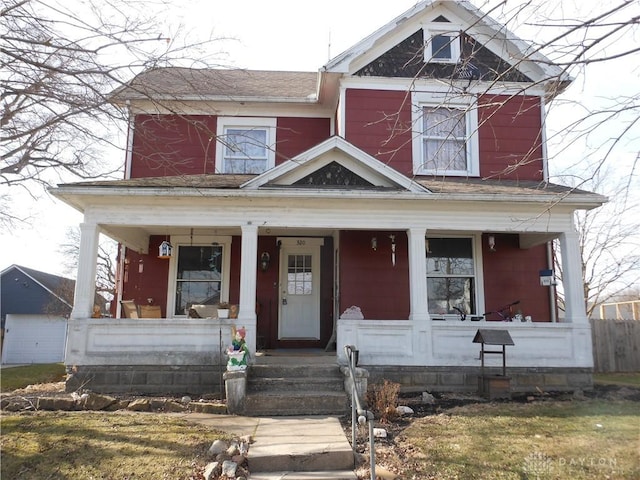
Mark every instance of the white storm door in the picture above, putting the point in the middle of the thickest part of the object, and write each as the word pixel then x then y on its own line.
pixel 299 317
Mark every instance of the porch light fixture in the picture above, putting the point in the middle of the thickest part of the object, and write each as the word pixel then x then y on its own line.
pixel 374 243
pixel 491 240
pixel 140 266
pixel 265 259
pixel 165 249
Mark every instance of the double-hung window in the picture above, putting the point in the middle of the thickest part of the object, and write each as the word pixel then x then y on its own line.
pixel 445 139
pixel 451 275
pixel 245 145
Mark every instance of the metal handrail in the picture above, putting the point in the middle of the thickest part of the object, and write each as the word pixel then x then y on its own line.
pixel 364 416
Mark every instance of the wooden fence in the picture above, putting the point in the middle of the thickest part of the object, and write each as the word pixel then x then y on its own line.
pixel 616 345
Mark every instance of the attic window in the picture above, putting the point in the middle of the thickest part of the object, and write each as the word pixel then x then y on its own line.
pixel 441 42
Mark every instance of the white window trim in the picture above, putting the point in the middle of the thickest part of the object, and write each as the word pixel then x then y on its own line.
pixel 478 262
pixel 205 241
pixel 447 29
pixel 269 124
pixel 420 100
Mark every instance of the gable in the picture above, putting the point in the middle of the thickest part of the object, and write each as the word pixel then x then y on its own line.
pixel 334 163
pixel 476 62
pixel 490 47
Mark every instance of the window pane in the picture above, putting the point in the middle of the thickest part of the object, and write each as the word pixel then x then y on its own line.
pixel 450 256
pixel 444 139
pixel 199 276
pixel 299 275
pixel 441 46
pixel 446 293
pixel 246 143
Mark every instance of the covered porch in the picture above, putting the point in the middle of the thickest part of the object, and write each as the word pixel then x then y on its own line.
pixel 407 340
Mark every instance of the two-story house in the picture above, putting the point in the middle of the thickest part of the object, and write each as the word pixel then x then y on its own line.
pixel 387 201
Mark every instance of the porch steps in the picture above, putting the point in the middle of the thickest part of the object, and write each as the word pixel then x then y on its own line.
pixel 286 389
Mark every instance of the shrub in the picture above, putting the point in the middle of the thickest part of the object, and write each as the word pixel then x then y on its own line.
pixel 382 399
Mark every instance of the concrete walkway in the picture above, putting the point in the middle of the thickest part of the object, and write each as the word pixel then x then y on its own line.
pixel 314 447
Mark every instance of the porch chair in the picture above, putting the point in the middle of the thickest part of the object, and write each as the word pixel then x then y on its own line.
pixel 129 309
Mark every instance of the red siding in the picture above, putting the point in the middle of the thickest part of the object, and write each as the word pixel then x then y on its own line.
pixel 167 145
pixel 379 122
pixel 510 137
pixel 369 280
pixel 296 135
pixel 511 273
pixel 152 281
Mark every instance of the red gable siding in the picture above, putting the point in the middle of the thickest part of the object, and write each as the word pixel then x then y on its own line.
pixel 167 145
pixel 510 137
pixel 379 122
pixel 296 135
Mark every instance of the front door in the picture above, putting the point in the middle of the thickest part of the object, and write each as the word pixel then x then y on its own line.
pixel 299 287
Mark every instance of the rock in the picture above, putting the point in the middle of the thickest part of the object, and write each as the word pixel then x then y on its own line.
pixel 379 433
pixel 212 470
pixel 243 448
pixel 96 401
pixel 139 405
pixel 157 404
pixel 222 457
pixel 229 468
pixel 174 407
pixel 218 446
pixel 384 474
pixel 215 408
pixel 233 449
pixel 578 395
pixel 428 399
pixel 239 459
pixel 404 410
pixel 185 399
pixel 56 403
pixel 246 439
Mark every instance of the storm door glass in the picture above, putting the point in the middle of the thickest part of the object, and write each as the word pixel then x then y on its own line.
pixel 450 275
pixel 299 275
pixel 199 276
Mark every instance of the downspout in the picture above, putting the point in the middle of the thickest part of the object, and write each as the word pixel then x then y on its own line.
pixel 129 154
pixel 545 176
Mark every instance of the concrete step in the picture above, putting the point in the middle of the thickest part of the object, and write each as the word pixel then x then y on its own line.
pixel 296 403
pixel 288 370
pixel 300 444
pixel 280 384
pixel 337 475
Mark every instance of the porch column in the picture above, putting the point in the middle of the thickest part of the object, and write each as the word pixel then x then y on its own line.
pixel 572 278
pixel 86 277
pixel 419 311
pixel 248 276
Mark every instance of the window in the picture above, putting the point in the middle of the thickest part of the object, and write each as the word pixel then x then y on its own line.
pixel 445 140
pixel 451 276
pixel 299 275
pixel 441 42
pixel 198 277
pixel 245 145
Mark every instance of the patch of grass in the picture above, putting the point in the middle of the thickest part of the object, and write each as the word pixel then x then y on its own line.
pixel 113 446
pixel 579 440
pixel 19 377
pixel 629 379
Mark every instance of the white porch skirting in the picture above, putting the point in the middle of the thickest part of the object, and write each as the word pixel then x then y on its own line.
pixel 408 343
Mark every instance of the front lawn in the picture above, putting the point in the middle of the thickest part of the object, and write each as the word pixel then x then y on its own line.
pixel 106 446
pixel 580 440
pixel 19 377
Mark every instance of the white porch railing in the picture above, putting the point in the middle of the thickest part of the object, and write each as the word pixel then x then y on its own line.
pixel 404 342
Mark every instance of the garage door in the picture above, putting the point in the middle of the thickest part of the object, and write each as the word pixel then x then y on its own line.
pixel 34 339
